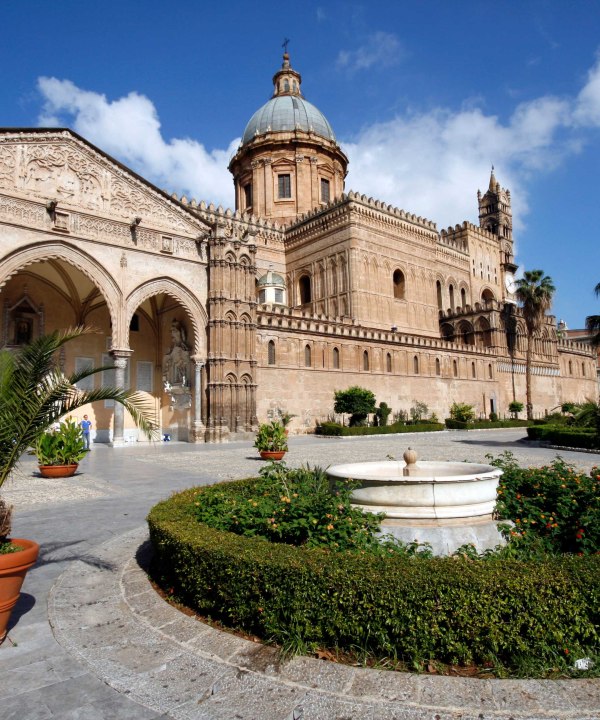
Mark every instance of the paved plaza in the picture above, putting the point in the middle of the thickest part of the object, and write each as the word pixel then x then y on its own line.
pixel 90 639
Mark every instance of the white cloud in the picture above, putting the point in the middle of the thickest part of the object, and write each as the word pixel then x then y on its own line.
pixel 129 129
pixel 587 111
pixel 381 49
pixel 423 162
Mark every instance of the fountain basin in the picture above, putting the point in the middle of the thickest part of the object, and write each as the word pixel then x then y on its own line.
pixel 433 490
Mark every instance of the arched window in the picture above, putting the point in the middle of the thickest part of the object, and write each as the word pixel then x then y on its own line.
pixel 399 285
pixel 455 368
pixel 416 365
pixel 336 358
pixel 466 333
pixel 487 296
pixel 307 356
pixel 438 290
pixel 286 86
pixel 271 352
pixel 304 286
pixel 451 294
pixel 473 370
pixel 570 368
pixel 490 373
pixel 463 298
pixel 582 369
pixel 447 332
pixel 365 360
pixel 438 369
pixel 388 362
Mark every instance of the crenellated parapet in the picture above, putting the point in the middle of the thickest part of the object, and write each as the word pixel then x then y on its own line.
pixel 352 206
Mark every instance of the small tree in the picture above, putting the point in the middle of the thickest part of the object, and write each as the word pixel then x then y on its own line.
pixel 356 401
pixel 515 407
pixel 534 293
pixel 382 414
pixel 418 411
pixel 463 412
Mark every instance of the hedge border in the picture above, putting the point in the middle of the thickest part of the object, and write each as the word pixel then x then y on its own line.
pixel 570 437
pixel 331 429
pixel 484 424
pixel 514 614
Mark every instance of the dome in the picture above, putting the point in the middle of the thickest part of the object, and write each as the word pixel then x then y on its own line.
pixel 286 113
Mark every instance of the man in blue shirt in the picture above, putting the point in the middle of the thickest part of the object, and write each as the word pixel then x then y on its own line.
pixel 86 427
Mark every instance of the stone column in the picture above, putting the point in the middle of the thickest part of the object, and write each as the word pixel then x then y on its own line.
pixel 198 428
pixel 120 361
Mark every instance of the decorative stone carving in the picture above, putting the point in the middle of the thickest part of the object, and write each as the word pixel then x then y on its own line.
pixel 60 166
pixel 176 363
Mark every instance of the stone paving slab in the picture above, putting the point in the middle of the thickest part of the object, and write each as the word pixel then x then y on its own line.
pixel 183 669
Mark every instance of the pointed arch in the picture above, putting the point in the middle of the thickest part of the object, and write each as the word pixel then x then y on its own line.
pixel 168 286
pixel 17 260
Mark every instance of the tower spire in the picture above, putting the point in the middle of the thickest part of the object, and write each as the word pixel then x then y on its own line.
pixel 493 183
pixel 495 212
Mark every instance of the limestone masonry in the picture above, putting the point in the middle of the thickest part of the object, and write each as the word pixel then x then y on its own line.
pixel 227 318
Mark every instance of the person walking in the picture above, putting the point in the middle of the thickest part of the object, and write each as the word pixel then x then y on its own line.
pixel 86 426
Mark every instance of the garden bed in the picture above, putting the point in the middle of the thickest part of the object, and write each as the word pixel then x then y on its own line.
pixel 519 617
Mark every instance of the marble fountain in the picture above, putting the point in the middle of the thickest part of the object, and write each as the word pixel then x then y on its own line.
pixel 446 504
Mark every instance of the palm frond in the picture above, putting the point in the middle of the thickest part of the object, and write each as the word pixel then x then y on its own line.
pixel 34 394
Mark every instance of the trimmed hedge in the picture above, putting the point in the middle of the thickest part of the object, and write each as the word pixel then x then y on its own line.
pixel 519 615
pixel 335 429
pixel 569 437
pixel 483 424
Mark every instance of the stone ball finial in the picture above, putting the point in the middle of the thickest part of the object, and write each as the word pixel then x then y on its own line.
pixel 410 458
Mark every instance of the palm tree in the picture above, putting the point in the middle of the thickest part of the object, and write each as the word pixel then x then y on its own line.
pixel 534 293
pixel 34 394
pixel 592 322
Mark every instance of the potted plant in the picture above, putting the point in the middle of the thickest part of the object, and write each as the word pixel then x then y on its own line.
pixel 271 440
pixel 34 395
pixel 285 419
pixel 59 450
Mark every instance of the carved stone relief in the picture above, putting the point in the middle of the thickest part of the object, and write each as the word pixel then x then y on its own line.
pixel 63 169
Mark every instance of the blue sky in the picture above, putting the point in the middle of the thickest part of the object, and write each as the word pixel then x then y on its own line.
pixel 423 96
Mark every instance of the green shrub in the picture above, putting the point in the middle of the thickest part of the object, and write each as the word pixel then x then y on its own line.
pixel 382 414
pixel 484 424
pixel 335 429
pixel 522 617
pixel 567 437
pixel 461 412
pixel 297 507
pixel 552 506
pixel 418 411
pixel 328 428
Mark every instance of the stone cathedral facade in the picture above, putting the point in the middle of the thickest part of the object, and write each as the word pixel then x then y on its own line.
pixel 226 318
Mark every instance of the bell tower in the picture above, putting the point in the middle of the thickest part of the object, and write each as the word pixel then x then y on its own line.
pixel 495 213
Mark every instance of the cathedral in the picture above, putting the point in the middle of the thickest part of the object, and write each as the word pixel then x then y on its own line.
pixel 226 318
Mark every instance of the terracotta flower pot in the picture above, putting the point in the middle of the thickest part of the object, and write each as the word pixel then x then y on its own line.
pixel 272 454
pixel 13 568
pixel 58 471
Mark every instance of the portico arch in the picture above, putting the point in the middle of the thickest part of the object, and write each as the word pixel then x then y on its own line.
pixel 168 286
pixel 41 252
